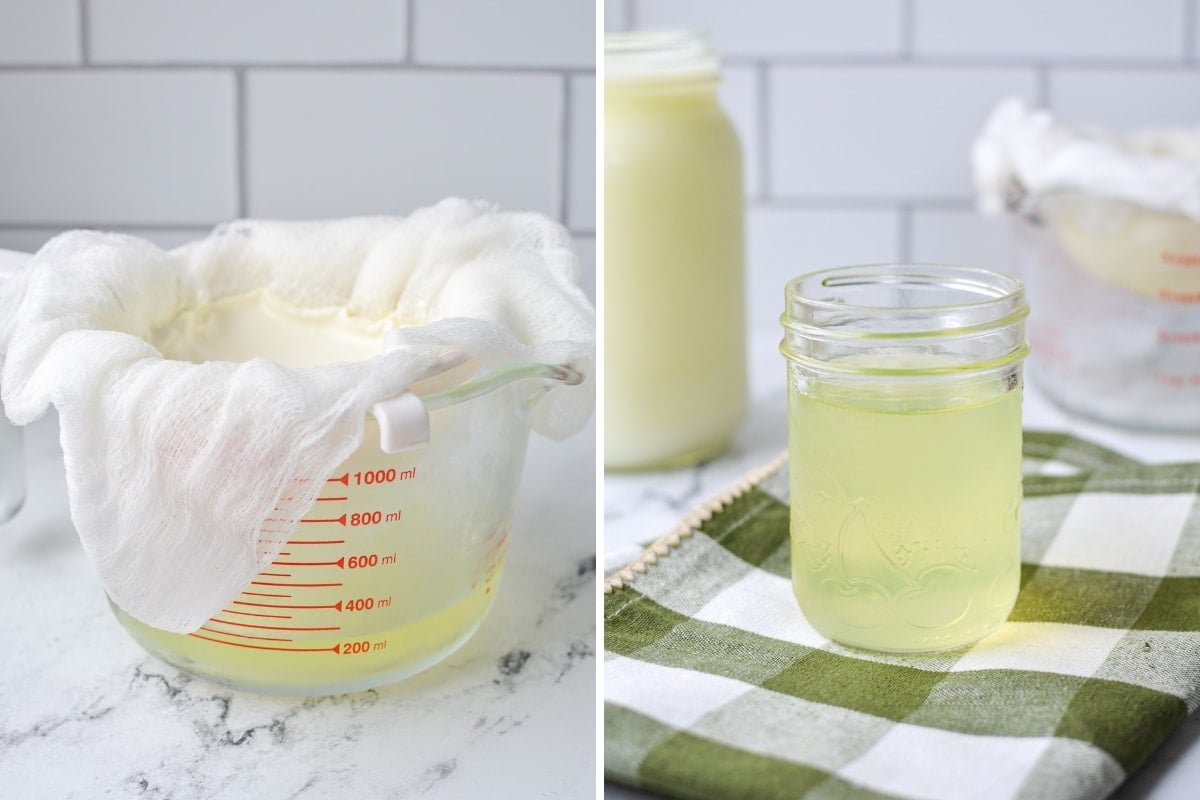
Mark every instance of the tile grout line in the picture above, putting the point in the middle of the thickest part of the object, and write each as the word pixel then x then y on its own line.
pixel 906 221
pixel 762 71
pixel 299 66
pixel 565 152
pixel 241 139
pixel 850 60
pixel 85 32
pixel 1041 72
pixel 1189 31
pixel 410 32
pixel 69 224
pixel 908 29
pixel 587 233
pixel 865 203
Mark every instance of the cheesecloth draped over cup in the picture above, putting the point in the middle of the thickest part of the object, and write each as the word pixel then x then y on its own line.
pixel 1028 152
pixel 186 479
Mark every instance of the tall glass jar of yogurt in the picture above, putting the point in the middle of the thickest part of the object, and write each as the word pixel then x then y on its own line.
pixel 675 363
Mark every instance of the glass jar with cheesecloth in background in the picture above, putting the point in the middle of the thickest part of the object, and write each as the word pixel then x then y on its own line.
pixel 1106 231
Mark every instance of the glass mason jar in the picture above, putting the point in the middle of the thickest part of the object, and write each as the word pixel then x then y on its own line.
pixel 904 439
pixel 675 361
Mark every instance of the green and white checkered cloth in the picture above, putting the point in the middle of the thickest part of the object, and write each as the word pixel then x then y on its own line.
pixel 716 687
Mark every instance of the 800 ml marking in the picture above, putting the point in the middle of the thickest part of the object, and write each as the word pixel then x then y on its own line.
pixel 360 518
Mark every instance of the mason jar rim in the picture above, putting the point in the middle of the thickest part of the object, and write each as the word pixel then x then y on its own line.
pixel 991 291
pixel 634 56
pixel 976 309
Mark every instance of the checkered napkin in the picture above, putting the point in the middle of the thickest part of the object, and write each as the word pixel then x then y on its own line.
pixel 716 687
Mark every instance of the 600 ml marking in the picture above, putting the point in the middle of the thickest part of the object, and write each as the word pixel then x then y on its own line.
pixel 370 560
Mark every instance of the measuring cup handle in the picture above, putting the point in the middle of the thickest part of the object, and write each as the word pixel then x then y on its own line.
pixel 403 423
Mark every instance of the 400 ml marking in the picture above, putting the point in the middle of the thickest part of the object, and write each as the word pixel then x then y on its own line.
pixel 367 603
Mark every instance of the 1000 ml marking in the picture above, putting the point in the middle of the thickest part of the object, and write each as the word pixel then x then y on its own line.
pixel 389 475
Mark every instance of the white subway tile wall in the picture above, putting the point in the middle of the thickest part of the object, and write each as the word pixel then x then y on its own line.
pixel 857 117
pixel 404 139
pixel 1107 30
pixel 164 119
pixel 515 32
pixel 784 242
pixel 782 27
pixel 247 31
pixel 739 96
pixel 888 132
pixel 581 178
pixel 117 147
pixel 43 32
pixel 1127 99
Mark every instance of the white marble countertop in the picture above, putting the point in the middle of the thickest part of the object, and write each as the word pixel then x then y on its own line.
pixel 86 713
pixel 639 507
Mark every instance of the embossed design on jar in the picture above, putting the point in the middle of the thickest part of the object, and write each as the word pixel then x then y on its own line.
pixel 859 570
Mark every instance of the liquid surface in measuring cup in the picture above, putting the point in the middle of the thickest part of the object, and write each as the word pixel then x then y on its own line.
pixel 387 573
pixel 255 325
pixel 905 514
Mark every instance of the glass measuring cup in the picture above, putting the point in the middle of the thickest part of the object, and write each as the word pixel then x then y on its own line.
pixel 12 469
pixel 12 441
pixel 394 566
pixel 1116 334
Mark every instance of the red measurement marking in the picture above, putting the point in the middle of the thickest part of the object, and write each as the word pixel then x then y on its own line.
pixel 337 605
pixel 344 480
pixel 339 520
pixel 284 553
pixel 337 648
pixel 265 594
pixel 268 583
pixel 244 635
pixel 270 627
pixel 316 541
pixel 328 499
pixel 276 574
pixel 340 564
pixel 250 614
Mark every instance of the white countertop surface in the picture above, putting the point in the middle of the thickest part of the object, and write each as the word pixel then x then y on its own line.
pixel 639 507
pixel 86 713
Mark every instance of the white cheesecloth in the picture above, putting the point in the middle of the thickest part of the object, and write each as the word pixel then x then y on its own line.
pixel 186 479
pixel 1024 151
